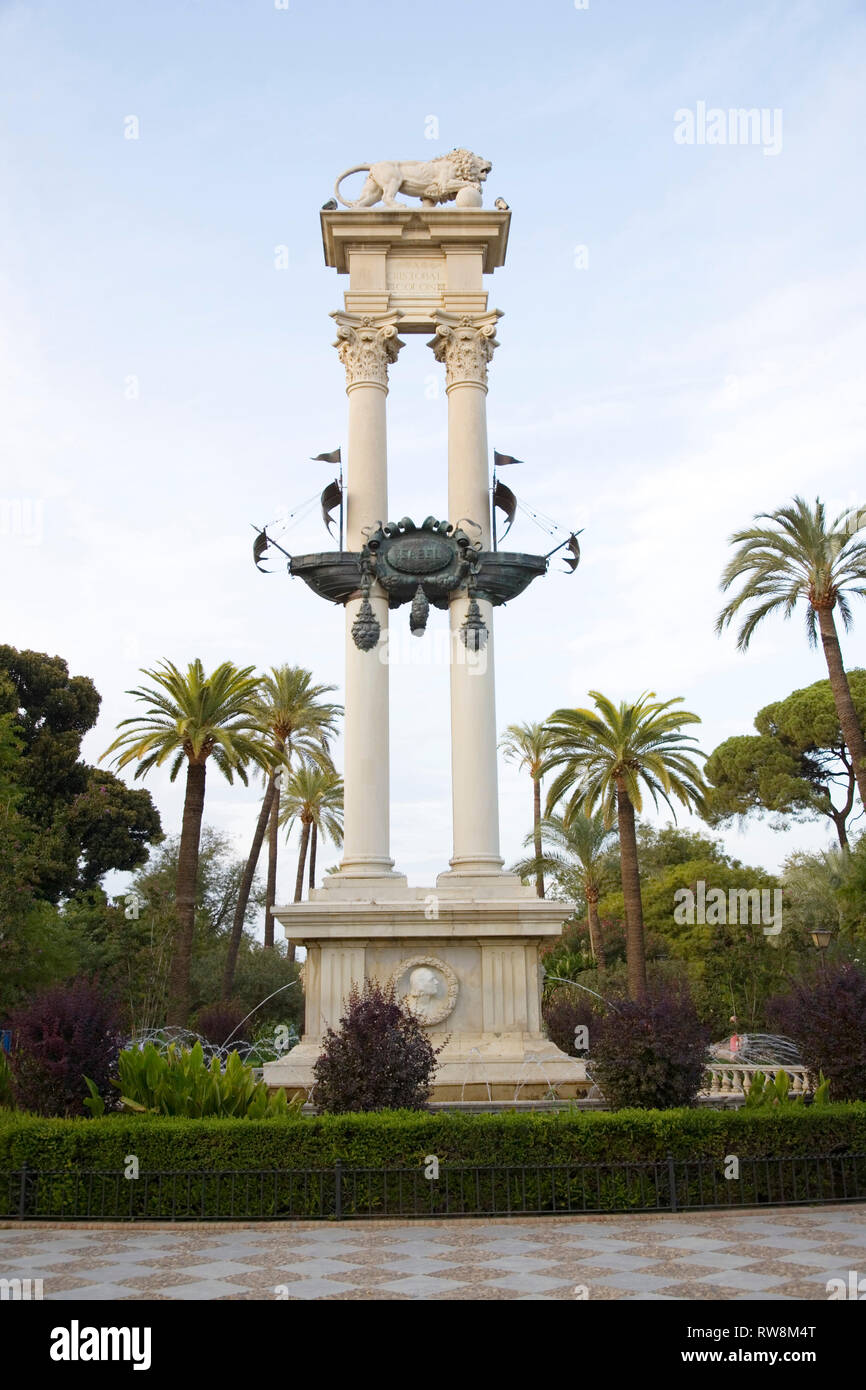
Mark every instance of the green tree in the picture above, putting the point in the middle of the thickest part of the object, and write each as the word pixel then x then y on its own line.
pixel 659 894
pixel 731 966
pixel 86 821
pixel 792 766
pixel 852 895
pixel 292 720
pixel 314 798
pixel 662 846
pixel 800 557
pixel 128 941
pixel 258 975
pixel 813 884
pixel 578 858
pixel 190 718
pixel 606 759
pixel 525 745
pixel 34 946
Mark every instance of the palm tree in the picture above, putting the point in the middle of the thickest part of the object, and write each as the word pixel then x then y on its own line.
pixel 606 756
pixel 190 717
pixel 295 720
pixel 291 720
pixel 579 861
pixel 314 796
pixel 526 744
pixel 800 556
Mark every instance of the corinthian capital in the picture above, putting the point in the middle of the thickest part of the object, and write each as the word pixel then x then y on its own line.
pixel 367 345
pixel 465 343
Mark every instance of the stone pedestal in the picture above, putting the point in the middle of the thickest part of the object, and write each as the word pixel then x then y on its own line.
pixel 471 967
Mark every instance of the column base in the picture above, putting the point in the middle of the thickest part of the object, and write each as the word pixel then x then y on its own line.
pixel 482 878
pixel 363 879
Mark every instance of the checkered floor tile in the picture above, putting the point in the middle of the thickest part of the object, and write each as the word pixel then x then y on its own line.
pixel 780 1255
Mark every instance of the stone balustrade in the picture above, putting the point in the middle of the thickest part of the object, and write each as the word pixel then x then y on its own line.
pixel 735 1078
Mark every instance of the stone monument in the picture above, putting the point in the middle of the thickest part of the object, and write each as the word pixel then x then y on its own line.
pixel 464 952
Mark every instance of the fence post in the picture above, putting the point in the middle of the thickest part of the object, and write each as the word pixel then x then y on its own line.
pixel 672 1181
pixel 338 1189
pixel 22 1192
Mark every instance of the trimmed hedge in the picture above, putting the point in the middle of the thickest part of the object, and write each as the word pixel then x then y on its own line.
pixel 402 1138
pixel 382 1141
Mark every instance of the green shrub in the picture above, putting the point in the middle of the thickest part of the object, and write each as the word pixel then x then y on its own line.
pixel 179 1082
pixel 765 1093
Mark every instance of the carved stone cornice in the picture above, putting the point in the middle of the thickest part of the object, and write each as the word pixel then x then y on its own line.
pixel 367 345
pixel 465 343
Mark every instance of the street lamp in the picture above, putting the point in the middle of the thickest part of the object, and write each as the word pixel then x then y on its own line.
pixel 821 938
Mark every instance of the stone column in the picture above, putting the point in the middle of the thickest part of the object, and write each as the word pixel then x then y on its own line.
pixel 466 344
pixel 366 345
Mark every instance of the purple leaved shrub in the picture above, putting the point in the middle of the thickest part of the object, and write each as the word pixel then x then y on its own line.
pixel 563 1014
pixel 379 1058
pixel 826 1017
pixel 652 1054
pixel 61 1035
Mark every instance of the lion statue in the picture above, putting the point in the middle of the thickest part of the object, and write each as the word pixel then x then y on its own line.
pixel 433 180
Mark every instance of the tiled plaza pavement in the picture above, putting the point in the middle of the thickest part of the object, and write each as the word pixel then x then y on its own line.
pixel 787 1254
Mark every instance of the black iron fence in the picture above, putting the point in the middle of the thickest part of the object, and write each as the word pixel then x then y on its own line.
pixel 337 1193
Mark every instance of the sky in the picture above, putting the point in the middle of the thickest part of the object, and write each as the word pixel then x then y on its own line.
pixel 682 347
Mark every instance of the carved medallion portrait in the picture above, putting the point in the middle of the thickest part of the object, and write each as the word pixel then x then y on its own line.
pixel 427 986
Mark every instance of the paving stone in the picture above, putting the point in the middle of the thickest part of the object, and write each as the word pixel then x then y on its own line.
pixel 117 1272
pixel 723 1256
pixel 327 1250
pixel 612 1247
pixel 135 1257
pixel 422 1285
pixel 418 1248
pixel 94 1292
pixel 639 1281
pixel 49 1258
pixel 204 1289
pixel 740 1279
pixel 696 1243
pixel 663 1228
pixel 718 1259
pixel 213 1269
pixel 516 1264
pixel 513 1247
pixel 529 1283
pixel 789 1242
pixel 318 1268
pixel 621 1263
pixel 813 1259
